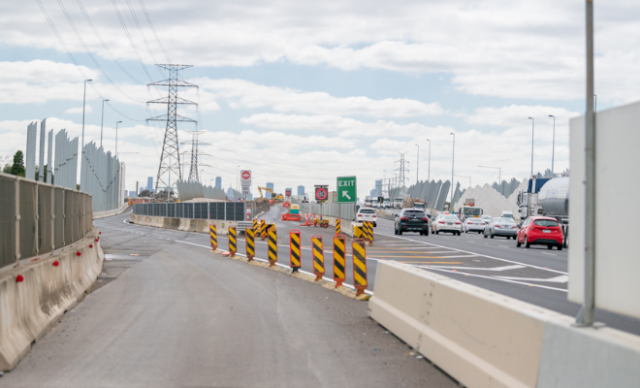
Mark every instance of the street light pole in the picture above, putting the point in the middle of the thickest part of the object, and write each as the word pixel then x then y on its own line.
pixel 553 147
pixel 499 176
pixel 84 101
pixel 429 168
pixel 453 158
pixel 532 129
pixel 118 122
pixel 417 163
pixel 102 122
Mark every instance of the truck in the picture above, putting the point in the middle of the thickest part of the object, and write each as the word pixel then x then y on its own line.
pixel 386 203
pixel 397 203
pixel 550 197
pixel 470 212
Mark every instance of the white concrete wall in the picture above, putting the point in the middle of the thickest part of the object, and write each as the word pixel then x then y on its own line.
pixel 492 202
pixel 617 263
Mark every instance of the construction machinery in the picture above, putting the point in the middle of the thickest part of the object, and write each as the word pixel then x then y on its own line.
pixel 274 196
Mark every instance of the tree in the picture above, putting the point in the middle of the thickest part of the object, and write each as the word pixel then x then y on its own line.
pixel 18 164
pixel 145 193
pixel 7 168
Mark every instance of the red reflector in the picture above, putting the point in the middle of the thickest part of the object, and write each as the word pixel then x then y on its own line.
pixel 55 263
pixel 99 232
pixel 19 278
pixel 78 253
pixel 90 245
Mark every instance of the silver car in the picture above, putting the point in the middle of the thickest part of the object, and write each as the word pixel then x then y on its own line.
pixel 500 226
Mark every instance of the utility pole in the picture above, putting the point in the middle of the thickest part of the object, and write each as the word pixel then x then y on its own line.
pixel 84 102
pixel 117 122
pixel 193 170
pixel 532 131
pixel 170 145
pixel 585 316
pixel 453 158
pixel 102 122
pixel 429 171
pixel 417 163
pixel 553 147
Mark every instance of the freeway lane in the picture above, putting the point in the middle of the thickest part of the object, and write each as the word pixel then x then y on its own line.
pixel 180 316
pixel 494 264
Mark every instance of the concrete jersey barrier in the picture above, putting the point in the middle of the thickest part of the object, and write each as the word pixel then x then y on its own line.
pixel 484 339
pixel 28 307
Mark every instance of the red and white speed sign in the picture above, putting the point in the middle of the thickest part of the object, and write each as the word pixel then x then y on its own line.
pixel 321 194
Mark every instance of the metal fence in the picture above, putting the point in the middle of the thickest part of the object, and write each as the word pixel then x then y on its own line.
pixel 345 211
pixel 37 218
pixel 229 211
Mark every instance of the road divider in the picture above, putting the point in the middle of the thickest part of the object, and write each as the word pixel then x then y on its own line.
pixel 338 225
pixel 484 339
pixel 213 236
pixel 35 295
pixel 339 261
pixel 359 254
pixel 273 244
pixel 233 241
pixel 250 242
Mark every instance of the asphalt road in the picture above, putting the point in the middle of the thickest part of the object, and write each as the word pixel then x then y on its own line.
pixel 167 312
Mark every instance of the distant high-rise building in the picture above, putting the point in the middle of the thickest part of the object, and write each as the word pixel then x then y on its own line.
pixel 149 183
pixel 132 193
pixel 230 193
pixel 300 190
pixel 373 194
pixel 218 182
pixel 379 187
pixel 270 185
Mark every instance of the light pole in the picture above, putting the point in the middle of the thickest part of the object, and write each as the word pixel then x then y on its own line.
pixel 553 147
pixel 117 122
pixel 429 168
pixel 102 122
pixel 237 178
pixel 384 180
pixel 84 101
pixel 499 176
pixel 417 163
pixel 453 158
pixel 532 129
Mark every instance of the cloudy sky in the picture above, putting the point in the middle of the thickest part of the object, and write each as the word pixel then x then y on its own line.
pixel 302 92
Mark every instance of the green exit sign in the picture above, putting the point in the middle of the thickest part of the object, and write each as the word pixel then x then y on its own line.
pixel 346 189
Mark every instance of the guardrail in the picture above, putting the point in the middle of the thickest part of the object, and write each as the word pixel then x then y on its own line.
pixel 229 211
pixel 345 211
pixel 37 218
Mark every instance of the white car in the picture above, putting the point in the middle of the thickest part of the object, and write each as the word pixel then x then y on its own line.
pixel 367 214
pixel 447 223
pixel 472 224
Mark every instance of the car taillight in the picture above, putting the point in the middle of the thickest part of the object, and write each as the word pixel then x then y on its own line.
pixel 514 227
pixel 458 223
pixel 404 219
pixel 496 226
pixel 482 223
pixel 425 219
pixel 374 216
pixel 468 223
pixel 441 222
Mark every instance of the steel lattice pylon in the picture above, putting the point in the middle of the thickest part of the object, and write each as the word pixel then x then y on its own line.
pixel 170 157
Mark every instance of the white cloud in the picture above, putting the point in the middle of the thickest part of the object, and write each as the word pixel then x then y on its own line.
pixel 515 49
pixel 79 110
pixel 245 94
pixel 518 115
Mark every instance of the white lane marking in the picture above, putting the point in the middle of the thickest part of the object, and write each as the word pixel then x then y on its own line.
pixel 496 269
pixel 557 279
pixel 550 254
pixel 478 254
pixel 496 278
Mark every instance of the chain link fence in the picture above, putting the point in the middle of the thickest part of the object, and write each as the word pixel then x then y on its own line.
pixel 37 218
pixel 229 211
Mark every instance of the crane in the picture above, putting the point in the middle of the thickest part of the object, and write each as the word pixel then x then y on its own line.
pixel 278 197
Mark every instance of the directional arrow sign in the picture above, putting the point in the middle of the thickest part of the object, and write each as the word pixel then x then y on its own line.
pixel 346 189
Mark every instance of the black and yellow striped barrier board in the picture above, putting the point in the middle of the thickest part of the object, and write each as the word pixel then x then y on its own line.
pixel 317 254
pixel 337 226
pixel 263 229
pixel 339 262
pixel 233 243
pixel 255 225
pixel 273 244
pixel 359 251
pixel 357 231
pixel 294 250
pixel 250 241
pixel 369 232
pixel 213 236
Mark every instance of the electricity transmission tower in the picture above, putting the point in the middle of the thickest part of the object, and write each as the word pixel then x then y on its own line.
pixel 402 170
pixel 193 171
pixel 170 157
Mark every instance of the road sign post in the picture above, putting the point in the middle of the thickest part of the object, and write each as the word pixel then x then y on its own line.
pixel 347 192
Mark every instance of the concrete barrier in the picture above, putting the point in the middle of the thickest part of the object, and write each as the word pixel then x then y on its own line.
pixel 109 213
pixel 27 308
pixel 484 339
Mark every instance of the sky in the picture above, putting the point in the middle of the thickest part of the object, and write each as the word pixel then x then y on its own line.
pixel 303 92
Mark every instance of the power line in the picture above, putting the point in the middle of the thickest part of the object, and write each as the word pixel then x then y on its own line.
pixel 146 14
pixel 106 48
pixel 144 38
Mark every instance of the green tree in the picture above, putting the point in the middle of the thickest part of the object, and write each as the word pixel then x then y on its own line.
pixel 6 169
pixel 18 164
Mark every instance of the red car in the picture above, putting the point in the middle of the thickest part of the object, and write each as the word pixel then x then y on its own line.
pixel 539 230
